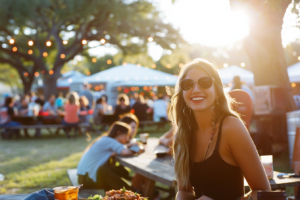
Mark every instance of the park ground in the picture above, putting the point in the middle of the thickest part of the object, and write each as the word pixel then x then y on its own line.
pixel 30 164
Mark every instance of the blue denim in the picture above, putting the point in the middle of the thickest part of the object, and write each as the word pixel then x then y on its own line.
pixel 44 194
pixel 15 132
pixel 11 123
pixel 70 125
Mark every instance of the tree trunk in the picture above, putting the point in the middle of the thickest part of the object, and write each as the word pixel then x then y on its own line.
pixel 50 86
pixel 26 87
pixel 265 51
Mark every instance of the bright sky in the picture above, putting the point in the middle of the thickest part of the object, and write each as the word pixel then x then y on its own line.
pixel 209 22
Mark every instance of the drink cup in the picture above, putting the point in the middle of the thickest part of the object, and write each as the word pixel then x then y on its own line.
pixel 66 193
pixel 267 162
pixel 144 137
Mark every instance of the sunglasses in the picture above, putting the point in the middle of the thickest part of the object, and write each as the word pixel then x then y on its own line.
pixel 204 83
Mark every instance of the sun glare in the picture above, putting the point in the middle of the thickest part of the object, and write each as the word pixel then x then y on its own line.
pixel 208 22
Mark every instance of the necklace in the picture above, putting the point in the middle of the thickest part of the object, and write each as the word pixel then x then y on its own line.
pixel 211 139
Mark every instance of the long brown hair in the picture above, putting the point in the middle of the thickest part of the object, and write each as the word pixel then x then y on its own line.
pixel 184 138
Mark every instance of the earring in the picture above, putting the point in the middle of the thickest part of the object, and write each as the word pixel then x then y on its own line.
pixel 189 110
pixel 187 115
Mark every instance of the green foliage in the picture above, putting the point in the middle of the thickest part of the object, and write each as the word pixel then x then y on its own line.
pixel 9 76
pixel 126 25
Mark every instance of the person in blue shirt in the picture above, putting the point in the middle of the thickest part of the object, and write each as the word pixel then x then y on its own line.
pixel 95 169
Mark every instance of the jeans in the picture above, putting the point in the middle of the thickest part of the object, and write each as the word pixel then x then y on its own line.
pixel 12 123
pixel 69 126
pixel 108 177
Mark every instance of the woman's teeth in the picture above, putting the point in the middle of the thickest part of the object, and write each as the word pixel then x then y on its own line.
pixel 197 99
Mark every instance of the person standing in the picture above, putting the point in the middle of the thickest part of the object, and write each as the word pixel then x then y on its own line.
pixel 238 85
pixel 87 93
pixel 160 107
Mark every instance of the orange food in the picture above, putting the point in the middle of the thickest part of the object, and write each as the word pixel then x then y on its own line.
pixel 122 194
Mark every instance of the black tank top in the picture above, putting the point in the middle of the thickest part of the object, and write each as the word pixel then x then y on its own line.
pixel 220 180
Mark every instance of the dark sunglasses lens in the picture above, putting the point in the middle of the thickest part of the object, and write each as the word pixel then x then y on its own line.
pixel 187 84
pixel 205 82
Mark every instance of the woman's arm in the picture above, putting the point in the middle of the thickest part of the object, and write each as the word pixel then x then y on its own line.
pixel 167 138
pixel 245 155
pixel 185 193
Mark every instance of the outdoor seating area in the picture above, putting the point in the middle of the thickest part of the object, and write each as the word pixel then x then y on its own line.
pixel 150 100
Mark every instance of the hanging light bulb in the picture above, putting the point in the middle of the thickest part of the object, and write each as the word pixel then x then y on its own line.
pixel 102 41
pixel 14 49
pixel 45 54
pixel 109 62
pixel 150 39
pixel 48 43
pixel 30 52
pixel 30 43
pixel 65 42
pixel 11 41
pixel 84 42
pixel 94 60
pixel 62 56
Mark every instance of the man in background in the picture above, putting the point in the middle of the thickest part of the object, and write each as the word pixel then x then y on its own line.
pixel 87 93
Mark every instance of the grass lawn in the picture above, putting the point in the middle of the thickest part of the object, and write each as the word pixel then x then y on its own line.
pixel 32 164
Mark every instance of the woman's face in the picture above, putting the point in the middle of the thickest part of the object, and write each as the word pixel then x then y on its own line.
pixel 199 99
pixel 81 102
pixel 123 138
pixel 122 102
pixel 133 128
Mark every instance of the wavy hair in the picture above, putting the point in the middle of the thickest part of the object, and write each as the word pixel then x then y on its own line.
pixel 124 97
pixel 128 118
pixel 183 146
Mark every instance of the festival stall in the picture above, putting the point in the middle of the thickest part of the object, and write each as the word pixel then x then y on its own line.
pixel 228 73
pixel 129 75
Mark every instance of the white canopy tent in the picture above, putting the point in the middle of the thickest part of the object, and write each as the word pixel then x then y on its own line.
pixel 126 75
pixel 294 72
pixel 67 78
pixel 228 73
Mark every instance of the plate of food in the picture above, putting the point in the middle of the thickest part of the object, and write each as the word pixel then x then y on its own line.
pixel 121 194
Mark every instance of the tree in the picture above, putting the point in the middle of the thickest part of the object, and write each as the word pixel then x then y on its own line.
pixel 60 29
pixel 264 46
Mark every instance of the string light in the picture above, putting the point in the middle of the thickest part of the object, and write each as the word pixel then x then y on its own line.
pixel 138 65
pixel 225 65
pixel 153 66
pixel 168 66
pixel 124 63
pixel 45 54
pixel 62 56
pixel 65 42
pixel 150 39
pixel 14 49
pixel 180 65
pixel 94 60
pixel 101 87
pixel 293 85
pixel 30 52
pixel 25 74
pixel 109 62
pixel 88 73
pixel 30 43
pixel 51 72
pixel 36 74
pixel 84 42
pixel 11 41
pixel 119 88
pixel 243 64
pixel 97 88
pixel 48 43
pixel 145 88
pixel 298 57
pixel 102 41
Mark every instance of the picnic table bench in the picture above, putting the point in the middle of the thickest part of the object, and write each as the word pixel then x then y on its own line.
pixel 43 126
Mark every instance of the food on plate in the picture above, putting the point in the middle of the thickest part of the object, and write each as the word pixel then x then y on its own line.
pixel 121 194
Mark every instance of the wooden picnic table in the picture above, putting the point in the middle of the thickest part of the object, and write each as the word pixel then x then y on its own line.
pixel 162 169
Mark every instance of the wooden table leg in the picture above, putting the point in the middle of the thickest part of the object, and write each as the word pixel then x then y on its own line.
pixel 149 189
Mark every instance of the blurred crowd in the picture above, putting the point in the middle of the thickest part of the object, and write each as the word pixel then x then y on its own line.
pixel 80 107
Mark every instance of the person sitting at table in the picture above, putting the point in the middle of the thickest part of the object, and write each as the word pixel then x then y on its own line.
pixel 122 106
pixel 71 118
pixel 6 113
pixel 98 111
pixel 50 106
pixel 140 108
pixel 213 150
pixel 94 168
pixel 84 106
pixel 50 112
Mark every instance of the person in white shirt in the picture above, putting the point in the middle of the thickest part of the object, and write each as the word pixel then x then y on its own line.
pixel 160 109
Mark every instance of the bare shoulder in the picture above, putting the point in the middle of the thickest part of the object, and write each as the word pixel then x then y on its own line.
pixel 234 128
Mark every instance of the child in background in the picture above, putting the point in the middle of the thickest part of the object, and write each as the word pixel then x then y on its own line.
pixel 94 169
pixel 71 118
